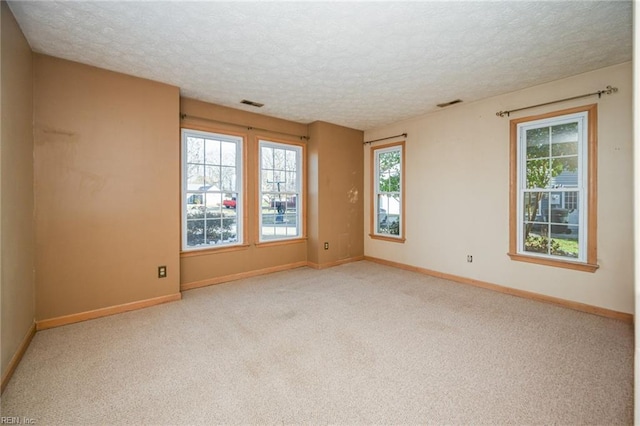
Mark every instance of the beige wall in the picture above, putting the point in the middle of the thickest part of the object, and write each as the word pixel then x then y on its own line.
pixel 203 267
pixel 107 188
pixel 636 194
pixel 16 212
pixel 457 193
pixel 335 193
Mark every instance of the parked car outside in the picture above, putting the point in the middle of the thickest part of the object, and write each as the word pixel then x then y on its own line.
pixel 230 203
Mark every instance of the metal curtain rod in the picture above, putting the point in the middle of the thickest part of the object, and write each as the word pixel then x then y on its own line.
pixel 183 116
pixel 609 90
pixel 384 139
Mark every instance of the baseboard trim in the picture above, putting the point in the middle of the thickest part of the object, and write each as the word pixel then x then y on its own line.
pixel 17 357
pixel 336 263
pixel 103 312
pixel 582 307
pixel 241 275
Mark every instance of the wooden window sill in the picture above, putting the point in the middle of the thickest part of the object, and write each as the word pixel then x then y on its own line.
pixel 390 239
pixel 213 250
pixel 264 244
pixel 577 266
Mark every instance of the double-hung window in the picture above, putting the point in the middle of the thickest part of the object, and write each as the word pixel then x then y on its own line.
pixel 553 189
pixel 388 192
pixel 281 196
pixel 211 190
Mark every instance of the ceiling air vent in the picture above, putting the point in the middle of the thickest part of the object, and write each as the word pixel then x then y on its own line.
pixel 255 104
pixel 446 104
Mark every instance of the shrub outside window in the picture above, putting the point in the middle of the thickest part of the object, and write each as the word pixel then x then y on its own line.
pixel 211 190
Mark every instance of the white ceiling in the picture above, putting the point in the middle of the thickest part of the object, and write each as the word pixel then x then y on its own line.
pixel 357 64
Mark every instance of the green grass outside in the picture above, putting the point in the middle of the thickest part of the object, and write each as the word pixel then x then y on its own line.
pixel 568 246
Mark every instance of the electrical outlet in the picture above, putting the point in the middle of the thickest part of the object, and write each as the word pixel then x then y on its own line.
pixel 326 246
pixel 469 258
pixel 162 272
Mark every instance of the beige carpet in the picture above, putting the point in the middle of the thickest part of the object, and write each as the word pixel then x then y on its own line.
pixel 357 344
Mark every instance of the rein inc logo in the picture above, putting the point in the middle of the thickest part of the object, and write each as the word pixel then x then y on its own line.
pixel 17 420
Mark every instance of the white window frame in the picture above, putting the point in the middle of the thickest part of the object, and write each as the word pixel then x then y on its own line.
pixel 298 192
pixel 587 187
pixel 582 120
pixel 239 187
pixel 376 192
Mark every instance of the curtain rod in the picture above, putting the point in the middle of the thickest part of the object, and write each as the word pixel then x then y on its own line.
pixel 384 139
pixel 609 90
pixel 183 116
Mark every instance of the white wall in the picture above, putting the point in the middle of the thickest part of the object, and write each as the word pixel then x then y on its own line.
pixel 457 192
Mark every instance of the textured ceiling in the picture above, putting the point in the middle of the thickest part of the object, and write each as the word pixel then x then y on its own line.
pixel 360 64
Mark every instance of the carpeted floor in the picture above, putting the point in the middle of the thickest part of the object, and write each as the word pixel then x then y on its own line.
pixel 361 343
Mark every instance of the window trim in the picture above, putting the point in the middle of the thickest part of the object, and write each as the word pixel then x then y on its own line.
pixel 591 192
pixel 241 242
pixel 302 212
pixel 372 205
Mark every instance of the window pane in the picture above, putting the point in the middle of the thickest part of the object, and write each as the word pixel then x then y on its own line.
pixel 228 154
pixel 538 173
pixel 212 151
pixel 268 181
pixel 195 232
pixel 212 181
pixel 194 200
pixel 530 205
pixel 221 229
pixel 552 159
pixel 291 184
pixel 228 179
pixel 382 180
pixel 291 160
pixel 195 177
pixel 278 159
pixel 537 143
pixel 214 228
pixel 558 217
pixel 389 214
pixel 195 150
pixel 389 171
pixel 267 157
pixel 536 242
pixel 564 139
pixel 536 206
pixel 230 200
pixel 565 226
pixel 568 177
pixel 389 180
pixel 564 170
pixel 213 203
pixel 382 226
pixel 566 244
pixel 279 217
